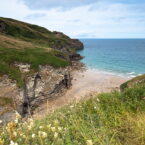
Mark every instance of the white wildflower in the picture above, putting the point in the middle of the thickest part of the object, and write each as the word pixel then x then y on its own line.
pixel 33 135
pixel 98 100
pixel 16 121
pixel 40 127
pixel 71 106
pixel 18 116
pixel 29 127
pixel 89 142
pixel 1 121
pixel 53 129
pixel 13 143
pixel 55 135
pixel 49 125
pixel 42 134
pixel 59 128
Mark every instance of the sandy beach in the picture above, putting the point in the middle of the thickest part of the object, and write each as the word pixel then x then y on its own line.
pixel 85 84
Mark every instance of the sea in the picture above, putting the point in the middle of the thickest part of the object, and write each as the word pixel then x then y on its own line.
pixel 123 57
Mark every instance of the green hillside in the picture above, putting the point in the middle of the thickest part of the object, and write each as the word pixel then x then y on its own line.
pixel 32 44
pixel 137 80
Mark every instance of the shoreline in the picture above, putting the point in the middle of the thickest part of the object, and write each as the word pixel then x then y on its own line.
pixel 85 84
pixel 128 75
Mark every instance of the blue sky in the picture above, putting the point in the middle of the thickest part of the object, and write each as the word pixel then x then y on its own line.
pixel 82 18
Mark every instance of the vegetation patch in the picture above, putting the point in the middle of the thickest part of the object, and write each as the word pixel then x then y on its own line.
pixel 35 57
pixel 114 118
pixel 133 82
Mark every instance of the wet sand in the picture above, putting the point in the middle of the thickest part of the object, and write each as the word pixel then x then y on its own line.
pixel 85 84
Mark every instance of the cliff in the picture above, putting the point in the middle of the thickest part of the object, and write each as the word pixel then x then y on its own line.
pixel 35 65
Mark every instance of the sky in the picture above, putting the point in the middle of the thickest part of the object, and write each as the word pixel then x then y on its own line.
pixel 81 18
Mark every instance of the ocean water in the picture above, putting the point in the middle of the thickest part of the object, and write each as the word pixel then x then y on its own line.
pixel 125 57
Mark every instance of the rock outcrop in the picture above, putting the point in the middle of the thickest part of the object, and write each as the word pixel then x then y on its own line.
pixel 46 84
pixel 71 43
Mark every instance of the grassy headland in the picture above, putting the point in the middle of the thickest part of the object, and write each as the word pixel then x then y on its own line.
pixel 115 118
pixel 26 43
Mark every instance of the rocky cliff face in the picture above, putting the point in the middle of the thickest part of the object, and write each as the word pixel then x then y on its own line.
pixel 39 87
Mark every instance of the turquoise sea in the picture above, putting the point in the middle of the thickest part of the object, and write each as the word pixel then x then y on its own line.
pixel 125 57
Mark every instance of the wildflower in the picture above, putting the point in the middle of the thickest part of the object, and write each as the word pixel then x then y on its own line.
pixel 49 125
pixel 98 100
pixel 16 121
pixel 59 128
pixel 15 134
pixel 11 126
pixel 71 106
pixel 53 129
pixel 55 135
pixel 13 143
pixel 18 116
pixel 24 136
pixel 30 120
pixel 42 134
pixel 21 134
pixel 89 142
pixel 40 127
pixel 95 107
pixel 56 122
pixel 1 141
pixel 29 127
pixel 33 135
pixel 1 121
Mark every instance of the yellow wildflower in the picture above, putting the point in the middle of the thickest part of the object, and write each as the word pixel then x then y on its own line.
pixel 11 126
pixel 15 134
pixel 1 141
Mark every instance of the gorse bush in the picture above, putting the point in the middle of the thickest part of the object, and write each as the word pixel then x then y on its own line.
pixel 108 119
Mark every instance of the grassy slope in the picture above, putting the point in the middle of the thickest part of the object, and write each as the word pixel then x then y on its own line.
pixel 27 43
pixel 132 82
pixel 109 119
